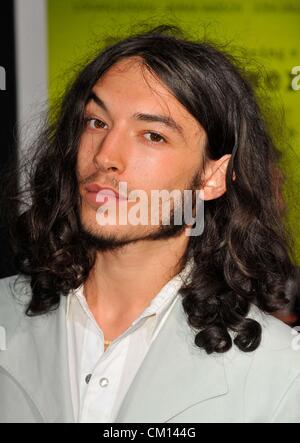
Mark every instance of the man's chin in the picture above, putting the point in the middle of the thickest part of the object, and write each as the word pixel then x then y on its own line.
pixel 104 240
pixel 107 240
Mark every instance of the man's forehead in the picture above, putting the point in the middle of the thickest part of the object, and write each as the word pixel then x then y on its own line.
pixel 129 63
pixel 135 71
pixel 145 93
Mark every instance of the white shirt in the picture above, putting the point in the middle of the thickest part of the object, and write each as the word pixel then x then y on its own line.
pixel 100 380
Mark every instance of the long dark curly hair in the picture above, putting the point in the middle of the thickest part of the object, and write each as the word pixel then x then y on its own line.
pixel 244 255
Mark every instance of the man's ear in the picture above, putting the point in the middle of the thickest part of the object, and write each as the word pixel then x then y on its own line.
pixel 214 178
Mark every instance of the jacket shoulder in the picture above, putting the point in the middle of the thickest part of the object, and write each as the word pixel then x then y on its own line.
pixel 16 287
pixel 265 377
pixel 15 294
pixel 276 335
pixel 275 371
pixel 276 361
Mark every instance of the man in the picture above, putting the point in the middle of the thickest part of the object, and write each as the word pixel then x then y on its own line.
pixel 142 322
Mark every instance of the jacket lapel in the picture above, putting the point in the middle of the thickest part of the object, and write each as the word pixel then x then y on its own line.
pixel 36 357
pixel 174 375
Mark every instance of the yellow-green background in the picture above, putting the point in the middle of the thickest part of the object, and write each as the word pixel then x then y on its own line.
pixel 269 30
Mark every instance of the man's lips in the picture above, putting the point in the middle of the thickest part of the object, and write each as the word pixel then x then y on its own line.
pixel 101 194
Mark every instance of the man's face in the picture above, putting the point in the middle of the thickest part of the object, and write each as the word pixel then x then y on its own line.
pixel 138 133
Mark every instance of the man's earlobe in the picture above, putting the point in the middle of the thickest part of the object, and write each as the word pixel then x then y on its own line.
pixel 214 180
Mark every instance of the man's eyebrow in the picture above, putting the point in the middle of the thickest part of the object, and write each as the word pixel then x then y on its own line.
pixel 93 97
pixel 164 119
pixel 168 121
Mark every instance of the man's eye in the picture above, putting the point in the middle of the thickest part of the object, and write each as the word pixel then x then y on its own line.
pixel 95 123
pixel 154 137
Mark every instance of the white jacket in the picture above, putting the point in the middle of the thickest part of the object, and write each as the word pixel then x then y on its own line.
pixel 176 383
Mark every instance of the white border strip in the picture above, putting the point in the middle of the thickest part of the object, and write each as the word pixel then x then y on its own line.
pixel 31 44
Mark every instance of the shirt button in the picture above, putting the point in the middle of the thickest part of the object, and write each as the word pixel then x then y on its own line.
pixel 87 378
pixel 103 382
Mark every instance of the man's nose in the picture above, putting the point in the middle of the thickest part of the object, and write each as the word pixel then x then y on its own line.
pixel 110 154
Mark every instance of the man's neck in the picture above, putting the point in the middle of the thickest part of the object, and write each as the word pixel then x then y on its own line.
pixel 122 283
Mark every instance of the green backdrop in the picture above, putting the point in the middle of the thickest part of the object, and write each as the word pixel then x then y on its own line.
pixel 267 29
